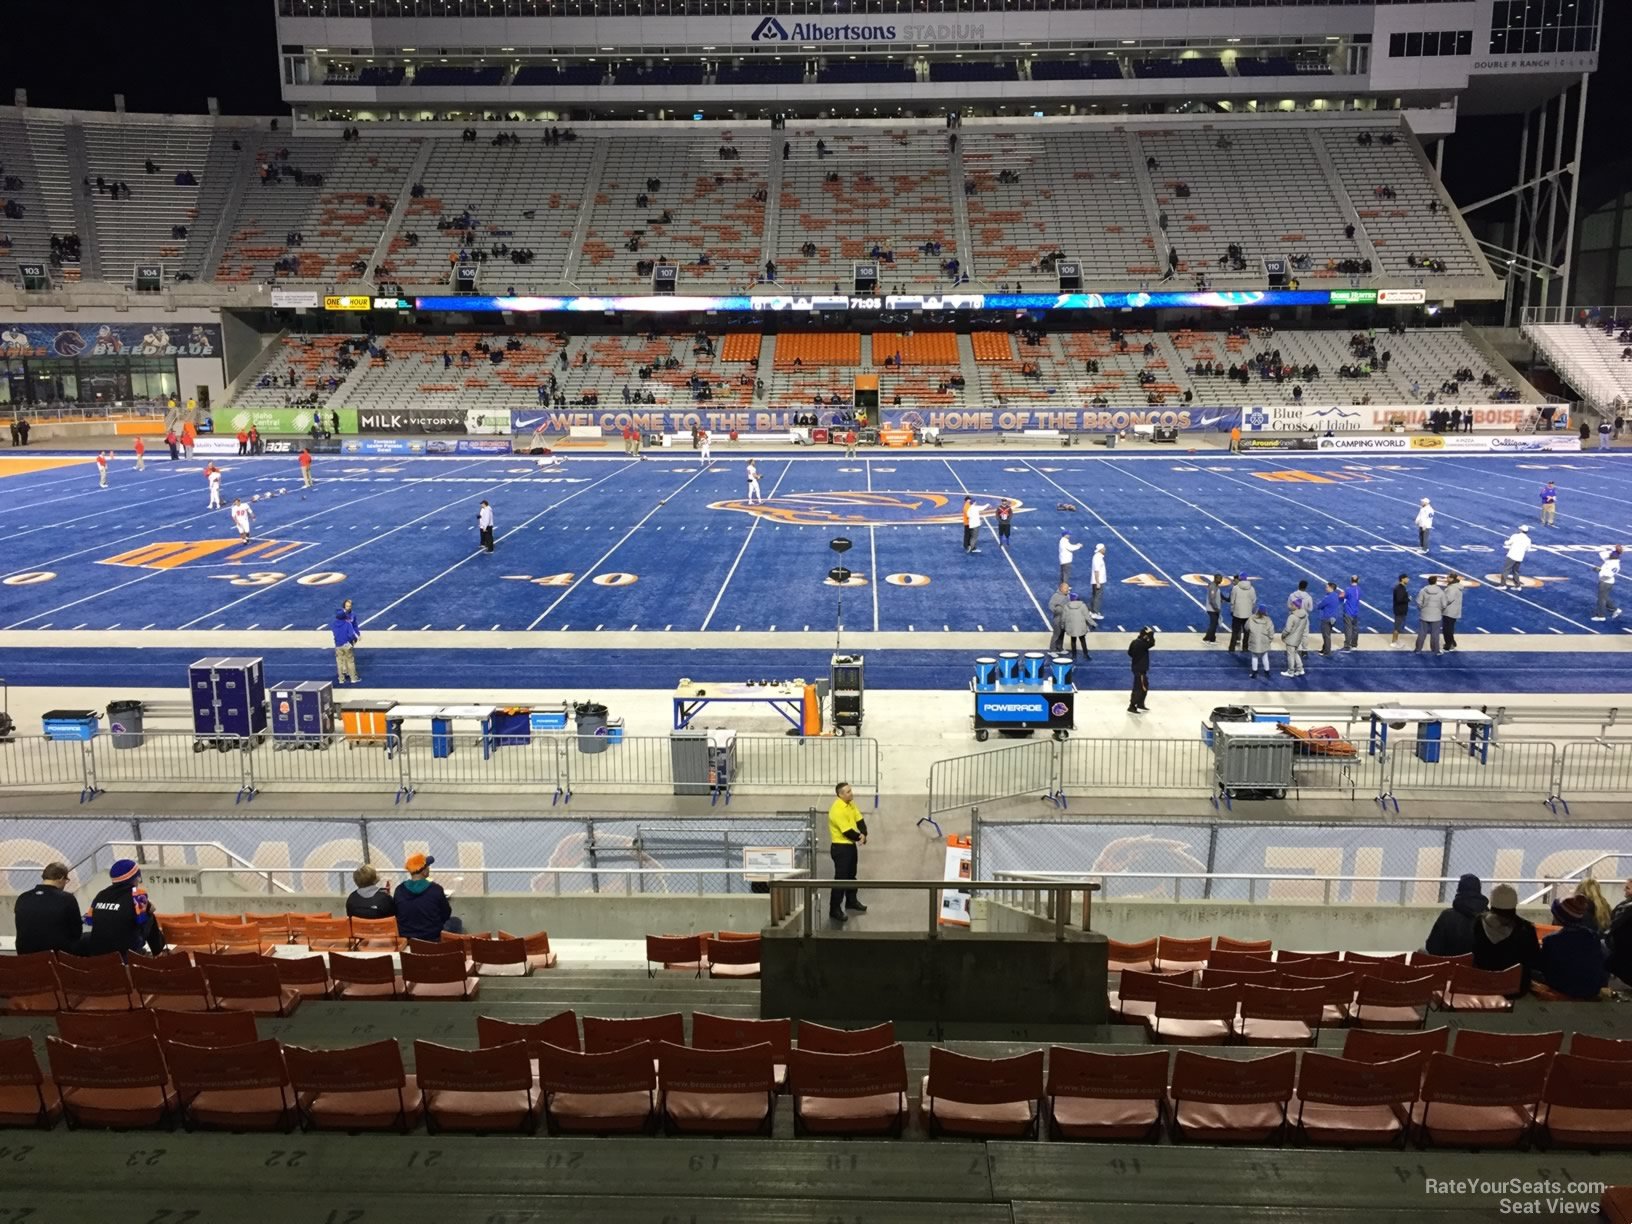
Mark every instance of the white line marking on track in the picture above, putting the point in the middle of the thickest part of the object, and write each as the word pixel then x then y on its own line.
pixel 741 552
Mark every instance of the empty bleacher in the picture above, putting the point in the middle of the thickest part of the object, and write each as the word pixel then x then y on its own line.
pixel 499 187
pixel 139 228
pixel 1590 359
pixel 48 142
pixel 892 190
pixel 1403 226
pixel 709 199
pixel 29 236
pixel 1076 70
pixel 1265 190
pixel 1079 193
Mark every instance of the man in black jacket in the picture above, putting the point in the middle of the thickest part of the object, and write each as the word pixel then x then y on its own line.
pixel 1620 938
pixel 1452 934
pixel 371 900
pixel 422 907
pixel 121 918
pixel 47 916
pixel 1139 656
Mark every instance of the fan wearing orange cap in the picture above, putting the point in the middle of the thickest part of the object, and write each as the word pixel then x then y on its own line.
pixel 423 911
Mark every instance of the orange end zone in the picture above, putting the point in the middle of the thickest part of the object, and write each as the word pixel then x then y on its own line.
pixel 19 466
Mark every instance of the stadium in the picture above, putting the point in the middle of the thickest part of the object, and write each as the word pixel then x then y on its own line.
pixel 571 573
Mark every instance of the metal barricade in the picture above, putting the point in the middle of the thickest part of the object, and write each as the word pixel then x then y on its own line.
pixel 1595 769
pixel 1459 769
pixel 480 764
pixel 1136 767
pixel 637 764
pixel 787 764
pixel 42 765
pixel 986 777
pixel 174 761
pixel 329 763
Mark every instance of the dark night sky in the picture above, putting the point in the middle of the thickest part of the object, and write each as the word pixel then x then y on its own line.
pixel 171 56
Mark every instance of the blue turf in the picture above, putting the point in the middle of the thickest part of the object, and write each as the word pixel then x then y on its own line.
pixel 670 553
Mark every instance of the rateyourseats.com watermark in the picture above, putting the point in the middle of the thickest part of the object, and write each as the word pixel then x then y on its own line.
pixel 1546 1199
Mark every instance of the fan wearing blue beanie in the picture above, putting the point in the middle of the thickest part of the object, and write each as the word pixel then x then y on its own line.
pixel 121 917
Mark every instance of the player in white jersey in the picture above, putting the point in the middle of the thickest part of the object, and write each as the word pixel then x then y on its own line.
pixel 242 516
pixel 704 455
pixel 753 484
pixel 213 475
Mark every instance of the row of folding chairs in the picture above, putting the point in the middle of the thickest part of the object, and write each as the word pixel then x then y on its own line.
pixel 1435 1098
pixel 727 954
pixel 200 932
pixel 1170 954
pixel 1262 1006
pixel 266 985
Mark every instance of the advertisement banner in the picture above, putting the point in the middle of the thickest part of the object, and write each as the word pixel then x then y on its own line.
pixel 220 445
pixel 411 420
pixel 488 421
pixel 282 420
pixel 294 299
pixel 293 446
pixel 1257 444
pixel 110 340
pixel 1387 444
pixel 955 902
pixel 382 446
pixel 1460 444
pixel 482 446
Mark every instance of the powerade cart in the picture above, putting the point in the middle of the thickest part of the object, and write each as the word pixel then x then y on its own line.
pixel 1020 711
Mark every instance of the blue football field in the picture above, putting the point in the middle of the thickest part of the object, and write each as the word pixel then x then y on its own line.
pixel 636 551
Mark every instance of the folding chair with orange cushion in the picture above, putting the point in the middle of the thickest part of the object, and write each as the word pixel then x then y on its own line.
pixel 1230 1100
pixel 1181 955
pixel 1466 1103
pixel 717 1092
pixel 96 983
pixel 437 977
pixel 297 925
pixel 1483 1045
pixel 727 1033
pixel 435 947
pixel 307 976
pixel 1217 975
pixel 1336 989
pixel 376 934
pixel 1481 990
pixel 848 1095
pixel 1140 956
pixel 1280 1015
pixel 1381 1003
pixel 1604 1049
pixel 186 939
pixel 1587 1103
pixel 1117 1097
pixel 825 1040
pixel 1350 1103
pixel 677 952
pixel 100 1028
pixel 235 1087
pixel 539 955
pixel 1193 1015
pixel 253 988
pixel 603 1035
pixel 602 1094
pixel 1249 947
pixel 27 1096
pixel 560 1030
pixel 1283 959
pixel 236 937
pixel 500 957
pixel 229 960
pixel 28 984
pixel 982 1098
pixel 1376 958
pixel 361 1088
pixel 172 983
pixel 732 958
pixel 489 1089
pixel 329 934
pixel 125 1086
pixel 1134 999
pixel 1244 962
pixel 364 977
pixel 216 1028
pixel 1616 1205
pixel 274 930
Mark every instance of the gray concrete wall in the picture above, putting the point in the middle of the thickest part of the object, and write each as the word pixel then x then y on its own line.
pixel 962 978
pixel 563 917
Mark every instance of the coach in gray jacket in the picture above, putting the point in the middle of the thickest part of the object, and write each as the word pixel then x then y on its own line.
pixel 1453 609
pixel 1056 615
pixel 1243 602
pixel 1430 612
pixel 1296 637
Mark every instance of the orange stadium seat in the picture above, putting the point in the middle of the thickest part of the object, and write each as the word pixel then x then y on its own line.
pixel 359 1088
pixel 235 1087
pixel 488 1089
pixel 1351 1103
pixel 717 1092
pixel 1111 1097
pixel 28 1097
pixel 1227 1100
pixel 825 1040
pixel 599 1093
pixel 216 1028
pixel 982 1098
pixel 28 984
pixel 849 1095
pixel 125 1085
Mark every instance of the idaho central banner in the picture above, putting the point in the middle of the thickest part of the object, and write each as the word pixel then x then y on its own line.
pixel 282 420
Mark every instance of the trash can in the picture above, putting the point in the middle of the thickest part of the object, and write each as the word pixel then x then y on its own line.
pixel 591 720
pixel 125 723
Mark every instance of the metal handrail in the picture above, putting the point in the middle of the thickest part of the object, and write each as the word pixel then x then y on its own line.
pixel 1058 894
pixel 454 876
pixel 142 843
pixel 1576 874
pixel 1013 877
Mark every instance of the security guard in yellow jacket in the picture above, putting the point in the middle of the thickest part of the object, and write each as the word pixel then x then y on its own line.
pixel 847 831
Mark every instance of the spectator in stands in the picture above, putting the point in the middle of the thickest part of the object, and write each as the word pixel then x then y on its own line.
pixel 1600 913
pixel 370 900
pixel 1619 939
pixel 1572 957
pixel 1453 930
pixel 121 918
pixel 1501 938
pixel 47 918
pixel 422 908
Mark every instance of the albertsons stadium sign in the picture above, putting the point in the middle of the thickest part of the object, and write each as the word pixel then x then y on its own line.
pixel 776 29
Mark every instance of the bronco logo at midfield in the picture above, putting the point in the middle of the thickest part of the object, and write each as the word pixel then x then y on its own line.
pixel 859 508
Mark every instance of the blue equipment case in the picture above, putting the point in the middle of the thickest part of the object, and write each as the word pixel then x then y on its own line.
pixel 229 701
pixel 303 714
